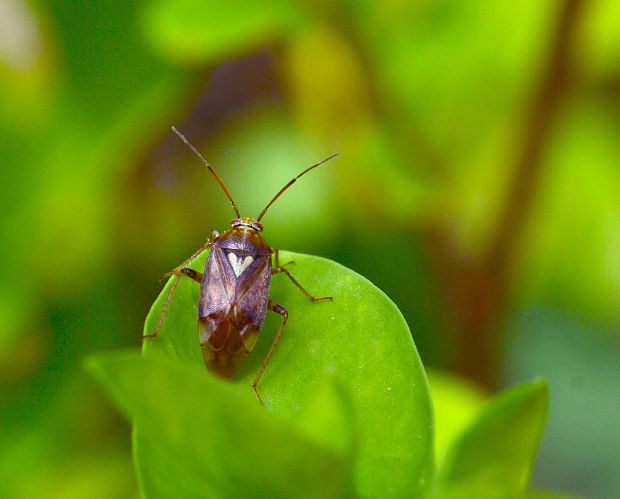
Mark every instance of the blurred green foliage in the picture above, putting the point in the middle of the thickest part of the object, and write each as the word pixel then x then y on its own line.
pixel 429 104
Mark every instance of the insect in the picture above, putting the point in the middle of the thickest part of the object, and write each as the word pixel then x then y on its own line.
pixel 234 288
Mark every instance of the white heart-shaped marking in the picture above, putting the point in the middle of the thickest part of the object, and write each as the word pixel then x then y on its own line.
pixel 238 264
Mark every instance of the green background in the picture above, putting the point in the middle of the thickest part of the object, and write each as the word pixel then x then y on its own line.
pixel 477 185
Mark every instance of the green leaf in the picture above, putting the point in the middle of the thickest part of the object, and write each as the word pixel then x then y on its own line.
pixel 196 436
pixel 360 339
pixel 494 456
pixel 456 403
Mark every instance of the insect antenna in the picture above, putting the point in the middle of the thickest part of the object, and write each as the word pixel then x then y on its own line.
pixel 262 214
pixel 204 161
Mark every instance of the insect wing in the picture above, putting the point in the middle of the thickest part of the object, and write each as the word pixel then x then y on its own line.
pixel 252 292
pixel 217 289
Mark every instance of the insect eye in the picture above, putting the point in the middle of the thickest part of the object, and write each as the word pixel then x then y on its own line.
pixel 258 226
pixel 235 222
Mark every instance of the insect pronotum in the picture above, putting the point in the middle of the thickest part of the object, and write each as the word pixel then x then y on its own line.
pixel 234 289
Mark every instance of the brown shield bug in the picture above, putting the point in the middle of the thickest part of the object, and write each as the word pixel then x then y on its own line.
pixel 234 289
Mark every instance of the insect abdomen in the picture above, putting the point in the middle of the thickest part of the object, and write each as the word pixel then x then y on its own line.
pixel 224 347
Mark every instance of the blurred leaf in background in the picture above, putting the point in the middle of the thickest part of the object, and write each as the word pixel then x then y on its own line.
pixel 477 184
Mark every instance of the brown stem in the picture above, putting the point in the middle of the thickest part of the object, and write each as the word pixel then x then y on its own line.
pixel 476 292
pixel 537 128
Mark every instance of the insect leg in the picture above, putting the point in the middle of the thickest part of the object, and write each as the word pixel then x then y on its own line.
pixel 178 269
pixel 197 276
pixel 278 270
pixel 278 309
pixel 276 252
